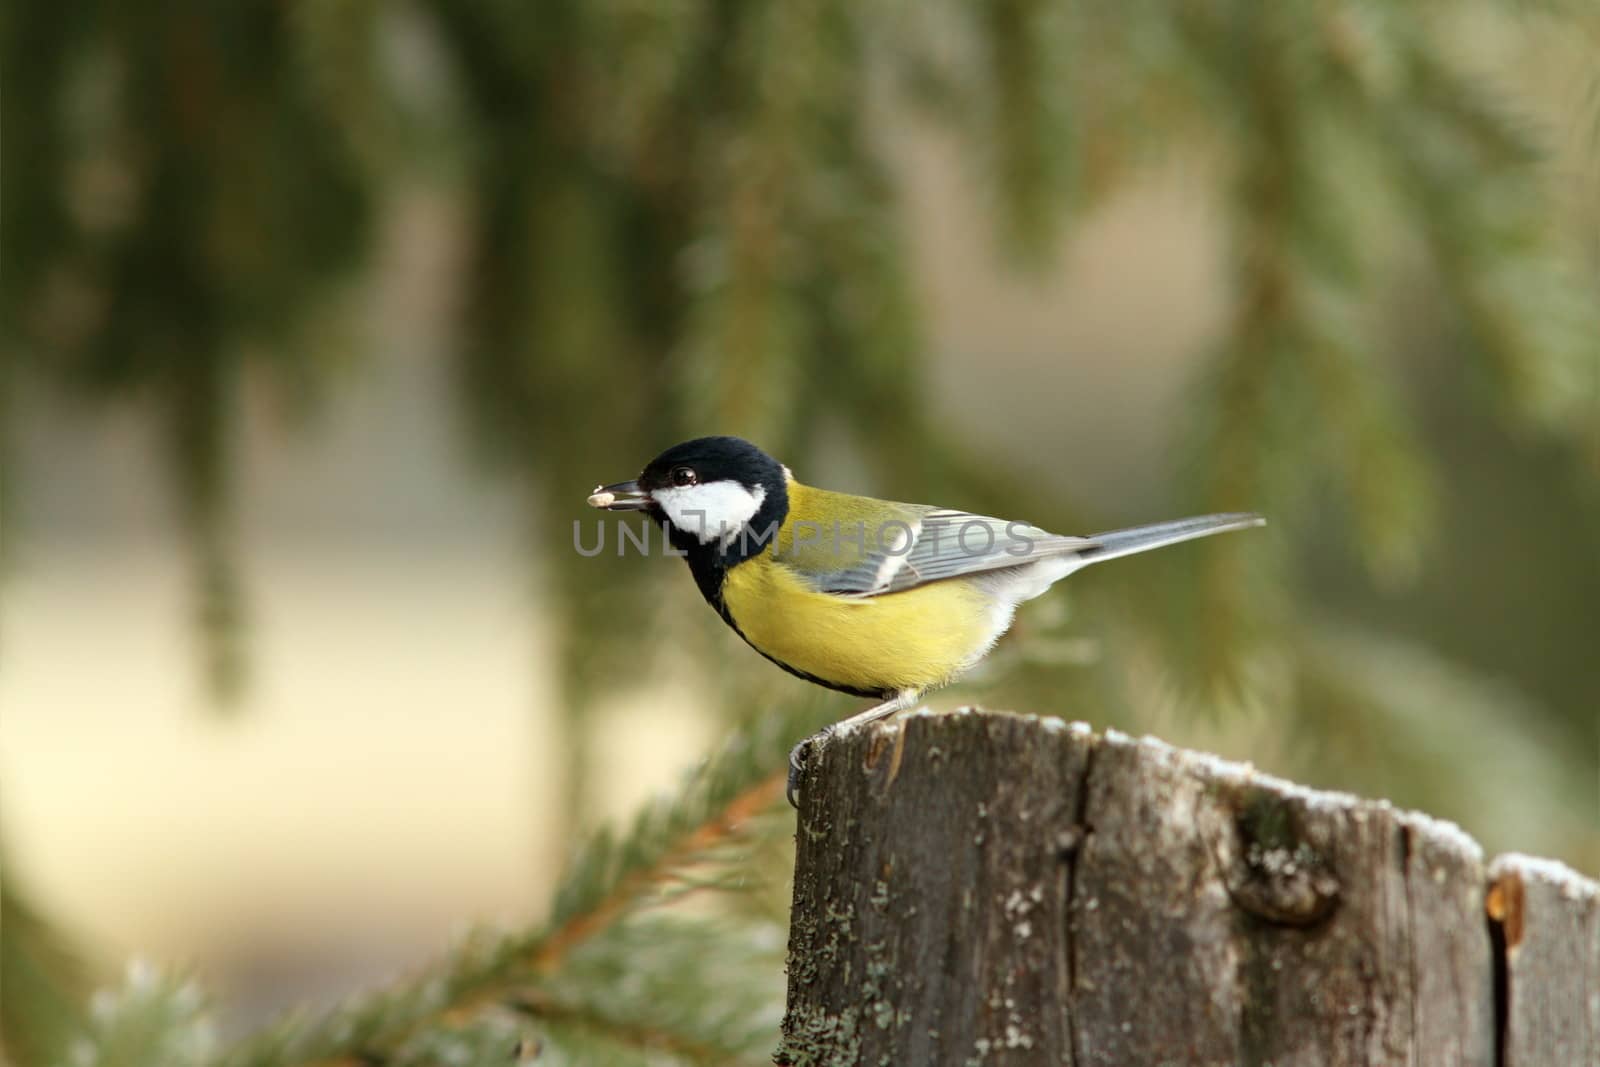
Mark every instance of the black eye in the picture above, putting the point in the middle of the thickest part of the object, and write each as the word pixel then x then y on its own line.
pixel 683 476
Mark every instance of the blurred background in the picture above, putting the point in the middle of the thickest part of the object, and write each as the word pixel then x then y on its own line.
pixel 321 320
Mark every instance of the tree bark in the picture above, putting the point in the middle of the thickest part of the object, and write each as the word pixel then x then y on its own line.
pixel 999 889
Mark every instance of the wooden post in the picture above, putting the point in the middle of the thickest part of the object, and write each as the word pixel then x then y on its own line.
pixel 1545 922
pixel 982 888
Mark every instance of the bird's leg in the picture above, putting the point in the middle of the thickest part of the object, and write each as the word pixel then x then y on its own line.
pixel 797 755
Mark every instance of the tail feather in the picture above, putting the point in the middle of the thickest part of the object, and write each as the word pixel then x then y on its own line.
pixel 1117 543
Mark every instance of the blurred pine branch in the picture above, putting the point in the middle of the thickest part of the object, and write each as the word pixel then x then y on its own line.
pixel 684 221
pixel 684 218
pixel 603 967
pixel 42 980
pixel 691 202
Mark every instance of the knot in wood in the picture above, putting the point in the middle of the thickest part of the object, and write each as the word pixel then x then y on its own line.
pixel 1276 870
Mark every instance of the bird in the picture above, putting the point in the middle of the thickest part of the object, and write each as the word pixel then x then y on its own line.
pixel 874 598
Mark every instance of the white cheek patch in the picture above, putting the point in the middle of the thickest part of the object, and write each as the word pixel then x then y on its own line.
pixel 713 511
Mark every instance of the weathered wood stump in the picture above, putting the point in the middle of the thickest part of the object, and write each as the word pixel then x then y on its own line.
pixel 999 889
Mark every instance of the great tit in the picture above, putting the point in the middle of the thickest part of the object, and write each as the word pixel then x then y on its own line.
pixel 869 597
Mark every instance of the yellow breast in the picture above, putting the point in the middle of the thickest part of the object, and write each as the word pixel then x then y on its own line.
pixel 916 639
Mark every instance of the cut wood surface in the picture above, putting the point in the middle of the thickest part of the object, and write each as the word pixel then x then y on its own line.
pixel 985 888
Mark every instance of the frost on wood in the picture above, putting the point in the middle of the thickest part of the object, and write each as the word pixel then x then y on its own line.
pixel 985 888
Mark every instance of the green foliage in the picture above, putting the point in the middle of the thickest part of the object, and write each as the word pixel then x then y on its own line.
pixel 42 983
pixel 1381 713
pixel 615 974
pixel 150 1019
pixel 683 219
pixel 175 204
pixel 651 984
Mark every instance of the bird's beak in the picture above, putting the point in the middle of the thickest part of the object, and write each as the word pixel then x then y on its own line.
pixel 623 496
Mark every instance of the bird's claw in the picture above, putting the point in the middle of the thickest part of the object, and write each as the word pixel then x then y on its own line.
pixel 797 766
pixel 799 756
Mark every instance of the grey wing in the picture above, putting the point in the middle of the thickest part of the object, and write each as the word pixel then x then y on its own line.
pixel 946 544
